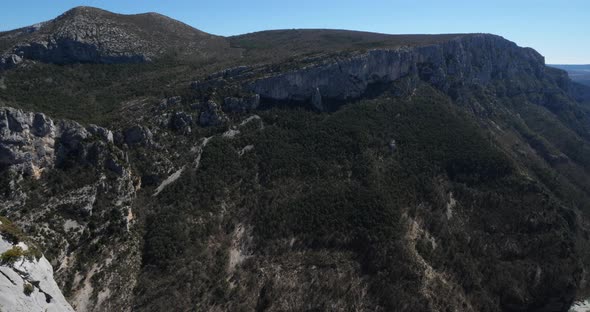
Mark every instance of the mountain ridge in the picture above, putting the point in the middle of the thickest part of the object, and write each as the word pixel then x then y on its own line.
pixel 193 42
pixel 89 35
pixel 312 170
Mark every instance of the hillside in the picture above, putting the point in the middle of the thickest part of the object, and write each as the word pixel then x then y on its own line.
pixel 91 35
pixel 277 45
pixel 172 55
pixel 297 170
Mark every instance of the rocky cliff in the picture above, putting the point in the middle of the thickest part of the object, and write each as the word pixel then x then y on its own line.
pixel 464 60
pixel 78 203
pixel 27 282
pixel 29 141
pixel 426 173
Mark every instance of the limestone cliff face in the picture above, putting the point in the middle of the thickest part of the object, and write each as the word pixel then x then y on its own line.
pixel 465 60
pixel 27 283
pixel 82 194
pixel 32 142
pixel 27 140
pixel 66 50
pixel 85 40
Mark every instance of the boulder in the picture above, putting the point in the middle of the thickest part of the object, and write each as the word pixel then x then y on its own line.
pixel 211 115
pixel 9 61
pixel 42 125
pixel 137 135
pixel 69 146
pixel 72 133
pixel 100 132
pixel 180 121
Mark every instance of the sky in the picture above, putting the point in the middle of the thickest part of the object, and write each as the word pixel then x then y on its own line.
pixel 559 29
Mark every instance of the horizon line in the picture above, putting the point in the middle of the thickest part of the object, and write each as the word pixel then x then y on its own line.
pixel 584 63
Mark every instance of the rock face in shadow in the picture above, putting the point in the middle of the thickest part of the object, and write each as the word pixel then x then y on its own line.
pixel 211 115
pixel 68 51
pixel 469 59
pixel 137 135
pixel 241 105
pixel 77 36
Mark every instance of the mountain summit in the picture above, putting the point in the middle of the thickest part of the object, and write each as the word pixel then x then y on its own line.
pixel 91 35
pixel 288 170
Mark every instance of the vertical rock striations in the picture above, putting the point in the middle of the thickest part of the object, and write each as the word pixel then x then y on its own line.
pixel 465 60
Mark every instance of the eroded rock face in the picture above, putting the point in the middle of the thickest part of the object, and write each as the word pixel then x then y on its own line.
pixel 473 59
pixel 32 142
pixel 102 192
pixel 102 133
pixel 137 135
pixel 80 44
pixel 27 140
pixel 68 50
pixel 181 121
pixel 86 38
pixel 211 115
pixel 37 275
pixel 9 60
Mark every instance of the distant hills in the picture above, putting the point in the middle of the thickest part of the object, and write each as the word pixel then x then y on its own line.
pixel 95 36
pixel 92 35
pixel 578 73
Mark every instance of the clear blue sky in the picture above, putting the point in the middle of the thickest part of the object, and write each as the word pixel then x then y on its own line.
pixel 558 29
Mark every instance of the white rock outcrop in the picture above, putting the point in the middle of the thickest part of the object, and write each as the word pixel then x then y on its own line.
pixel 46 295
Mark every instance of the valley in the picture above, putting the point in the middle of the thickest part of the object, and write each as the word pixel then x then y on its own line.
pixel 578 73
pixel 156 167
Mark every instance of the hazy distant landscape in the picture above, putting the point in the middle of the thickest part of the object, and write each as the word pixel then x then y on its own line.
pixel 578 73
